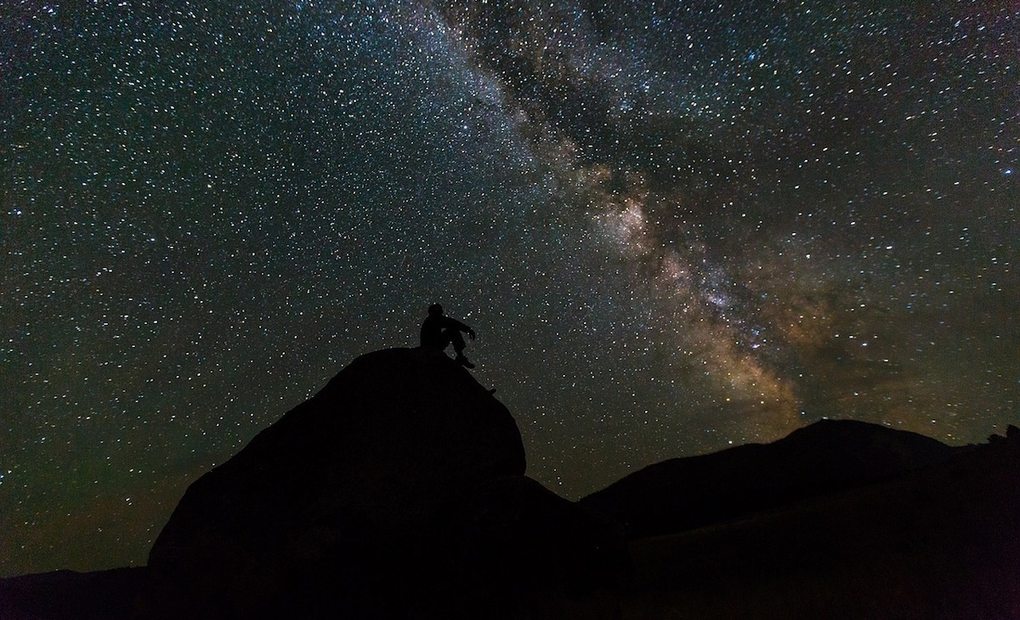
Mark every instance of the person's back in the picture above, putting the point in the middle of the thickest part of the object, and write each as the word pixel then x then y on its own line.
pixel 432 332
pixel 438 331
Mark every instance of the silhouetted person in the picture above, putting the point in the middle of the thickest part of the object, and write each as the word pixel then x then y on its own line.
pixel 438 331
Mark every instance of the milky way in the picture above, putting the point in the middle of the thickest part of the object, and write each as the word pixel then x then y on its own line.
pixel 675 227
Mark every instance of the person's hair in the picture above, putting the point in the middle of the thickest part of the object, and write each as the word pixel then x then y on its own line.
pixel 435 309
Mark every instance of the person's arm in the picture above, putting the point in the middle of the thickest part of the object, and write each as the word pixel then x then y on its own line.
pixel 457 325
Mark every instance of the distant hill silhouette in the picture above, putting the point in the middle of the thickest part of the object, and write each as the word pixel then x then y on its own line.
pixel 937 542
pixel 827 457
pixel 65 594
pixel 398 491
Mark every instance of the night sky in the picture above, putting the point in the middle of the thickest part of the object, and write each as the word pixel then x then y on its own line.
pixel 675 226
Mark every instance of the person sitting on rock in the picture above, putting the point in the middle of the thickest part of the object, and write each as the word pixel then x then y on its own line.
pixel 438 331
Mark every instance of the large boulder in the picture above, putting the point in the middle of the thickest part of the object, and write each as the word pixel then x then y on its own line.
pixel 396 491
pixel 394 436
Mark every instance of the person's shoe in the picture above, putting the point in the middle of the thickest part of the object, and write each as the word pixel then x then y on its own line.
pixel 463 361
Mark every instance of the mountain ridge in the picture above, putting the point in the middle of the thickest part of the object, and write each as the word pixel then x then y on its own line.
pixel 825 457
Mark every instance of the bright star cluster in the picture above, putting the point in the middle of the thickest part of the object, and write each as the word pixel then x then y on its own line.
pixel 675 226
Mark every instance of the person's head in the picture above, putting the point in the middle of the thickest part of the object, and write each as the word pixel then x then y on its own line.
pixel 435 310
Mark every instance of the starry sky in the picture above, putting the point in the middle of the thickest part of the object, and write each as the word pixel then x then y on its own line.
pixel 675 226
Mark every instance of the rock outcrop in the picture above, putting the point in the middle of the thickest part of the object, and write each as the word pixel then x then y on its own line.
pixel 387 494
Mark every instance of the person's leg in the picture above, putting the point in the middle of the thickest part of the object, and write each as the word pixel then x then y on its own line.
pixel 453 336
pixel 457 340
